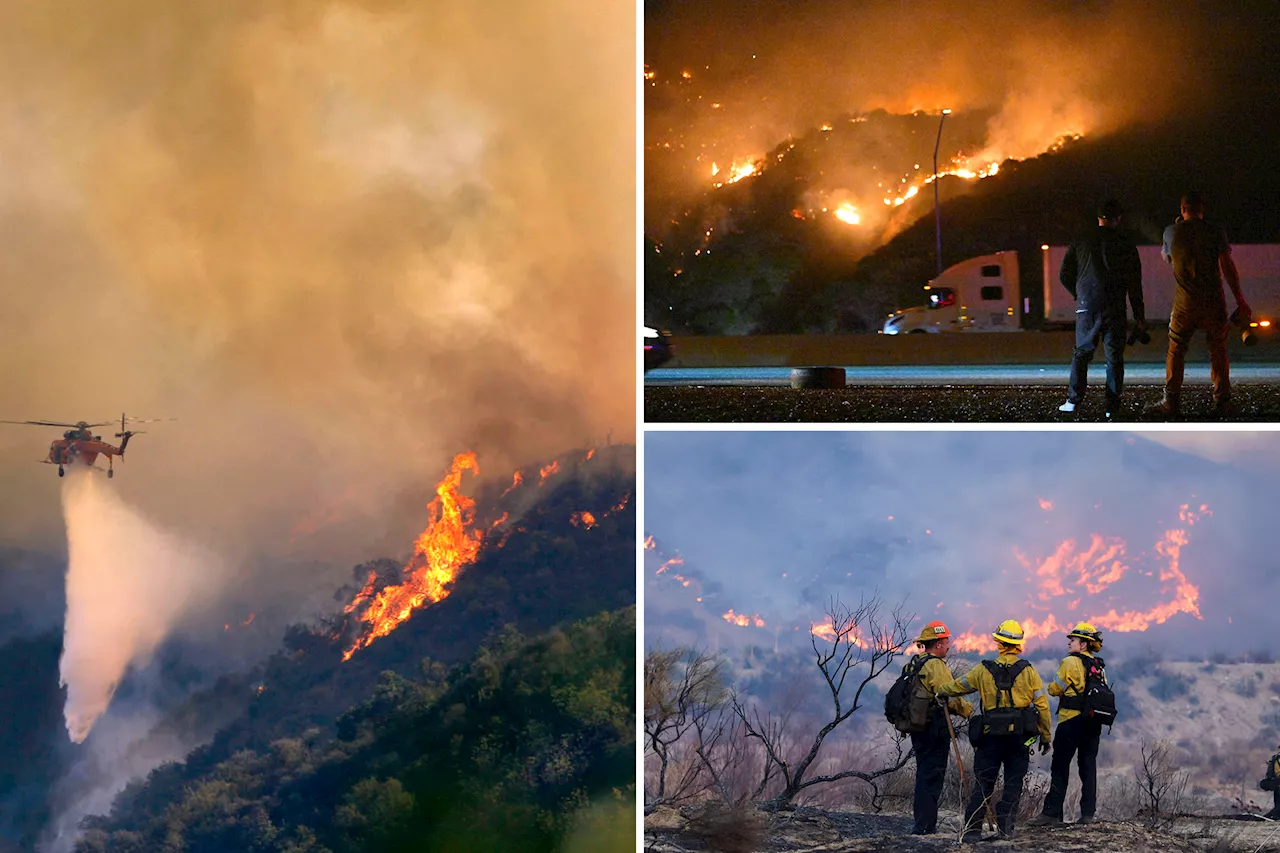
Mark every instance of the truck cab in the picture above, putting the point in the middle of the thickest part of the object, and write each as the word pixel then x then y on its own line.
pixel 977 295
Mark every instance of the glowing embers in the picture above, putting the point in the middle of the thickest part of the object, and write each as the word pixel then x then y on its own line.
pixel 439 554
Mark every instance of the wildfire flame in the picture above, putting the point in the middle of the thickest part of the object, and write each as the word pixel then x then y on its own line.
pixel 515 483
pixel 583 519
pixel 1045 505
pixel 1061 579
pixel 848 213
pixel 743 620
pixel 439 554
pixel 737 171
pixel 649 544
pixel 546 471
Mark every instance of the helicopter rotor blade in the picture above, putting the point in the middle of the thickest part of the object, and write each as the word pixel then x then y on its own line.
pixel 45 423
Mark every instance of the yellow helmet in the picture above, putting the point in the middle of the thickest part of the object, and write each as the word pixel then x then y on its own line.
pixel 1086 631
pixel 1010 631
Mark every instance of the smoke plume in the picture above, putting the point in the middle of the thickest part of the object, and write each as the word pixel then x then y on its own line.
pixel 128 583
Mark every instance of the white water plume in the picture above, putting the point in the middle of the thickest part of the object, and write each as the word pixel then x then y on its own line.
pixel 128 583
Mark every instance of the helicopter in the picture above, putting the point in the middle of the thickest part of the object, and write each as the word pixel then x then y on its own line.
pixel 79 442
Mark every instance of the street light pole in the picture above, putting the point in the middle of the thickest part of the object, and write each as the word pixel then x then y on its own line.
pixel 937 210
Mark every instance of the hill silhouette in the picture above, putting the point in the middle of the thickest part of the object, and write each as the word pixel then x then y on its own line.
pixel 770 272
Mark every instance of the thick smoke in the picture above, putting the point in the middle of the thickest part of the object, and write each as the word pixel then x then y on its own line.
pixel 954 523
pixel 1040 68
pixel 340 241
pixel 128 583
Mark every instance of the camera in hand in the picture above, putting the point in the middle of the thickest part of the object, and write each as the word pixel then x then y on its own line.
pixel 1141 336
pixel 1241 321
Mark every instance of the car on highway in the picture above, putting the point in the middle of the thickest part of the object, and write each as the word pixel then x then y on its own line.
pixel 657 347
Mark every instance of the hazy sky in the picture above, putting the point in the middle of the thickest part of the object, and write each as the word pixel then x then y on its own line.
pixel 773 524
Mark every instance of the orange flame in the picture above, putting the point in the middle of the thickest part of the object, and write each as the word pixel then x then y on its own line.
pixel 439 554
pixel 500 520
pixel 743 620
pixel 674 561
pixel 249 621
pixel 590 453
pixel 649 544
pixel 583 519
pixel 1057 579
pixel 1045 505
pixel 547 471
pixel 515 483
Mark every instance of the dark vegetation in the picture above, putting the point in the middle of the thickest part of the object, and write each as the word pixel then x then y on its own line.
pixel 765 271
pixel 501 753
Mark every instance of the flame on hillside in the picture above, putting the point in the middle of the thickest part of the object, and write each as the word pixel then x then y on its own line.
pixel 743 620
pixel 583 519
pixel 1065 580
pixel 443 549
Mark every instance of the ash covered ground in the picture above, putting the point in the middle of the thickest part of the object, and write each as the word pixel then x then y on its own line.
pixel 810 829
pixel 948 404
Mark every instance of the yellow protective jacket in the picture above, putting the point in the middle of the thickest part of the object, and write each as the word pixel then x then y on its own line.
pixel 1274 767
pixel 1069 682
pixel 1028 689
pixel 933 675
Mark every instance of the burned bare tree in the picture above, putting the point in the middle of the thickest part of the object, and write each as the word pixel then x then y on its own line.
pixel 851 650
pixel 1160 781
pixel 684 690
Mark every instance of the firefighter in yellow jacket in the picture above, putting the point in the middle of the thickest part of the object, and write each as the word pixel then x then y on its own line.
pixel 1014 713
pixel 932 744
pixel 1078 734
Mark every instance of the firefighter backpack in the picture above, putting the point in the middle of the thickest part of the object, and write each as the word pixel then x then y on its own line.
pixel 1098 702
pixel 906 705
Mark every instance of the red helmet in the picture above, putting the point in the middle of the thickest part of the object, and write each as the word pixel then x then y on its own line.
pixel 935 630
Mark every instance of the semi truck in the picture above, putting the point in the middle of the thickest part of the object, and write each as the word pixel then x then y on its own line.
pixel 984 294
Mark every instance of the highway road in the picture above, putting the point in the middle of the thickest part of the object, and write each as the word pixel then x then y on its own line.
pixel 1140 374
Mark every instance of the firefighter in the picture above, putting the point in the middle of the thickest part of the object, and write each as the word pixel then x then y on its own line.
pixel 1077 733
pixel 1271 782
pixel 931 745
pixel 1012 718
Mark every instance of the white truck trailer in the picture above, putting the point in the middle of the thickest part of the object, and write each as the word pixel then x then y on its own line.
pixel 983 294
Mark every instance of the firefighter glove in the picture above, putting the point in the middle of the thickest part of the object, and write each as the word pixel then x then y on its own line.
pixel 1044 746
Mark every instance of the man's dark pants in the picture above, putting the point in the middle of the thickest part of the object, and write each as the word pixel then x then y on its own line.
pixel 992 754
pixel 1077 736
pixel 1092 326
pixel 931 769
pixel 1186 318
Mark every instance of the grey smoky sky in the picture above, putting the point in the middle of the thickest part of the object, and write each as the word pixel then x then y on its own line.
pixel 776 523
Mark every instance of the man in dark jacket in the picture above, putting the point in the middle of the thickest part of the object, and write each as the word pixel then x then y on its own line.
pixel 1099 271
pixel 1201 258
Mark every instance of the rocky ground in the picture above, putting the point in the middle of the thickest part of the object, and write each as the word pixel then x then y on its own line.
pixel 951 404
pixel 813 830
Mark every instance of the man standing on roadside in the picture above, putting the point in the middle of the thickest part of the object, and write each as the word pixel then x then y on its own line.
pixel 1100 270
pixel 1201 258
